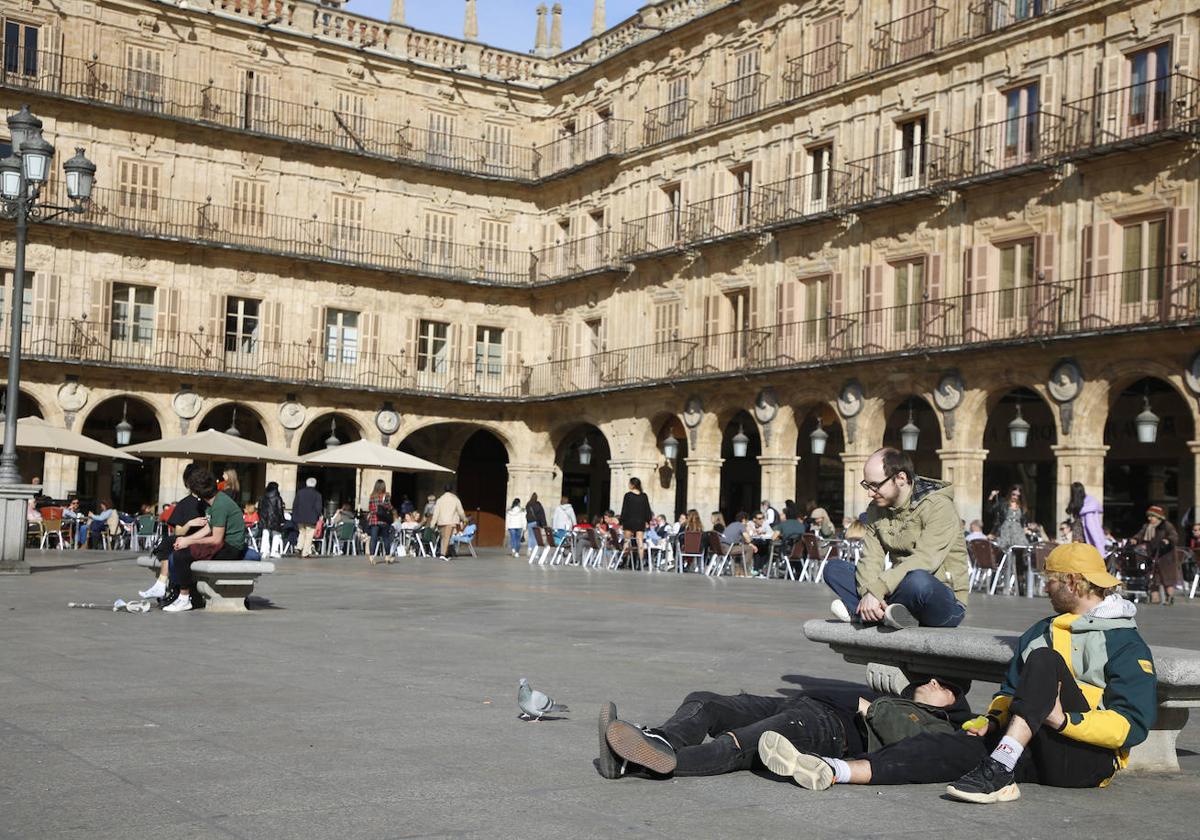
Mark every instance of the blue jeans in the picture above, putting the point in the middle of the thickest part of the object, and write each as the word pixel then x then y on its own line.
pixel 930 601
pixel 380 533
pixel 514 538
pixel 532 539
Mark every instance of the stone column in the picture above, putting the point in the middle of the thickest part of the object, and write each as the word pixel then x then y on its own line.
pixel 704 485
pixel 1084 464
pixel 397 15
pixel 170 480
pixel 963 468
pixel 14 504
pixel 619 474
pixel 556 39
pixel 598 18
pixel 778 478
pixel 539 40
pixel 526 479
pixel 285 476
pixel 367 479
pixel 855 498
pixel 60 475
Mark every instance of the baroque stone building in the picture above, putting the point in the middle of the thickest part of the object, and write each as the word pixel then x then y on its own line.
pixel 713 221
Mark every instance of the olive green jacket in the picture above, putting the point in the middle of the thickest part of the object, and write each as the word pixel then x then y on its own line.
pixel 926 533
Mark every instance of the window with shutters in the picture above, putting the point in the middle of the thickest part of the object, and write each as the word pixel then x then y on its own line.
pixel 143 77
pixel 489 350
pixel 350 115
pixel 739 310
pixel 1016 276
pixel 910 163
pixel 746 85
pixel 348 213
pixel 816 304
pixel 439 238
pixel 1021 106
pixel 21 44
pixel 132 313
pixel 249 206
pixel 498 148
pixel 1149 92
pixel 494 242
pixel 433 347
pixel 908 290
pixel 666 323
pixel 1143 261
pixel 341 336
pixel 258 108
pixel 823 64
pixel 677 107
pixel 6 290
pixel 137 186
pixel 441 138
pixel 241 325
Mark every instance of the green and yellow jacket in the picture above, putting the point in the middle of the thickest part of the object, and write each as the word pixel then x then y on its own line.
pixel 1112 666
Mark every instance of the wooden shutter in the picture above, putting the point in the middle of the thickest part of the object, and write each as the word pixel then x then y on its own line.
pixel 45 299
pixel 752 305
pixel 712 314
pixel 933 287
pixel 272 322
pixel 1183 234
pixel 785 302
pixel 317 328
pixel 1114 69
pixel 512 350
pixel 980 276
pixel 1101 263
pixel 1087 258
pixel 412 328
pixel 216 319
pixel 836 295
pixel 100 311
pixel 1045 260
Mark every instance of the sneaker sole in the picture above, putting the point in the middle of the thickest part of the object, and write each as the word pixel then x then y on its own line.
pixel 610 763
pixel 629 742
pixel 906 621
pixel 783 759
pixel 1008 793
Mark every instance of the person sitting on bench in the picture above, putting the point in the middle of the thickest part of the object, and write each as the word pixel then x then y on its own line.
pixel 913 520
pixel 223 538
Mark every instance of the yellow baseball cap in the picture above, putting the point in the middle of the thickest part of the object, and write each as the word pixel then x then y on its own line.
pixel 1081 559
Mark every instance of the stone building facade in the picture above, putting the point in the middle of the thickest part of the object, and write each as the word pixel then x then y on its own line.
pixel 712 220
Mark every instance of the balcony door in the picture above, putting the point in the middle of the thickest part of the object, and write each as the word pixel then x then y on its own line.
pixel 912 155
pixel 21 49
pixel 820 179
pixel 489 355
pixel 341 343
pixel 907 301
pixel 241 334
pixel 1015 283
pixel 1149 90
pixel 1020 125
pixel 132 325
pixel 1143 268
pixel 433 354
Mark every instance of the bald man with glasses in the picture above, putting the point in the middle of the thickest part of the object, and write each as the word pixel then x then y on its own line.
pixel 913 521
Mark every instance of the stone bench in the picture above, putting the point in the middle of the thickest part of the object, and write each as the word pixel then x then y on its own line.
pixel 972 653
pixel 225 584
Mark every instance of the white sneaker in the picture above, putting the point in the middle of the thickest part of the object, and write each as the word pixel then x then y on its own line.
pixel 783 759
pixel 158 590
pixel 839 610
pixel 181 604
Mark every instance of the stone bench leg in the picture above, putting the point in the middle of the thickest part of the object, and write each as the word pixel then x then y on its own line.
pixel 225 593
pixel 1157 753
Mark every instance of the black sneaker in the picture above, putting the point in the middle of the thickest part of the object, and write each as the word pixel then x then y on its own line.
pixel 640 746
pixel 990 782
pixel 610 763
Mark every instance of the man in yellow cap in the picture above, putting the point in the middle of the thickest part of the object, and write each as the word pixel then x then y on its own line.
pixel 1079 693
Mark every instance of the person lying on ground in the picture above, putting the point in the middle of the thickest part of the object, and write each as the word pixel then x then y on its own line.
pixel 834 721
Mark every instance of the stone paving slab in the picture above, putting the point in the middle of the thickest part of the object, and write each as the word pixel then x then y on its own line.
pixel 379 702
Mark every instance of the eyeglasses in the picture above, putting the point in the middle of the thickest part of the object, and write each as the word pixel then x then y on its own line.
pixel 873 487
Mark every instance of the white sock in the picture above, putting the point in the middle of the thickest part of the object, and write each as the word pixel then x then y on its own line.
pixel 1008 752
pixel 841 770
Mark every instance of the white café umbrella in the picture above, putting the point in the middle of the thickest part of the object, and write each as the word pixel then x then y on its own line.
pixel 36 434
pixel 211 445
pixel 363 454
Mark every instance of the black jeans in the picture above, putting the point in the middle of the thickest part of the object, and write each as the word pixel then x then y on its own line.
pixel 1051 758
pixel 809 724
pixel 181 563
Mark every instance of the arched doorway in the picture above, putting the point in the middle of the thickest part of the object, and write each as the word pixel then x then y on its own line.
pixel 585 475
pixel 672 476
pixel 820 476
pixel 30 464
pixel 245 421
pixel 1032 466
pixel 741 476
pixel 337 484
pixel 126 484
pixel 915 411
pixel 1136 474
pixel 480 460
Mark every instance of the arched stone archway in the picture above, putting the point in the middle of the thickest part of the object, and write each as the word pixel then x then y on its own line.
pixel 338 485
pixel 586 486
pixel 671 479
pixel 1032 466
pixel 127 485
pixel 1138 474
pixel 229 417
pixel 920 413
pixel 741 477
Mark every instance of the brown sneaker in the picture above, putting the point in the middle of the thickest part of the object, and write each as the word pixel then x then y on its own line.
pixel 610 762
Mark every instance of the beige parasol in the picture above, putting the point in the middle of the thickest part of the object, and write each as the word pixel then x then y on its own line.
pixel 35 433
pixel 363 454
pixel 211 445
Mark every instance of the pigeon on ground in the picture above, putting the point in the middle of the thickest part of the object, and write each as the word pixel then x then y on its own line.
pixel 534 704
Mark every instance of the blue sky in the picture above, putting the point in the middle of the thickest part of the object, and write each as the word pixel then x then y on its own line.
pixel 504 23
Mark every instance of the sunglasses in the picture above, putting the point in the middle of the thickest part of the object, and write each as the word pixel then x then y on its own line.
pixel 872 486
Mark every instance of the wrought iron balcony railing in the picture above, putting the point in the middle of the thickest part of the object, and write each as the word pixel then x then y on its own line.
pixel 908 37
pixel 1009 147
pixel 1164 108
pixel 805 197
pixel 741 212
pixel 1122 302
pixel 61 75
pixel 987 16
pixel 657 233
pixel 892 176
pixel 668 122
pixel 738 99
pixel 816 70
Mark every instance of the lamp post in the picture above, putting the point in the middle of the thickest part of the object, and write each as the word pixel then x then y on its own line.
pixel 22 176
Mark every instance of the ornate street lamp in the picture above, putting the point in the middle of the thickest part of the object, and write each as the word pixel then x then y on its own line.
pixel 741 444
pixel 332 440
pixel 670 447
pixel 81 176
pixel 124 429
pixel 232 431
pixel 817 440
pixel 910 432
pixel 585 453
pixel 1018 430
pixel 1146 422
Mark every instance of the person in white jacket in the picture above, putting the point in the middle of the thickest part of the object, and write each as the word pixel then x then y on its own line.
pixel 563 519
pixel 514 521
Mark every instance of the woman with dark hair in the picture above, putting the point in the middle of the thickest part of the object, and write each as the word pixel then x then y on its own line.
pixel 635 513
pixel 1086 516
pixel 270 517
pixel 1010 524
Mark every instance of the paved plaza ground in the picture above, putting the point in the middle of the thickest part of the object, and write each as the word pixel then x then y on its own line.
pixel 364 702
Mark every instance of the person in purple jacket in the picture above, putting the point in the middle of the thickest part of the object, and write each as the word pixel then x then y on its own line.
pixel 1086 516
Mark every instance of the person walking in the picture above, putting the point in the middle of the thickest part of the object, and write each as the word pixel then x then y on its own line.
pixel 563 519
pixel 448 514
pixel 270 520
pixel 1158 540
pixel 514 521
pixel 1086 516
pixel 535 517
pixel 379 517
pixel 635 513
pixel 306 512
